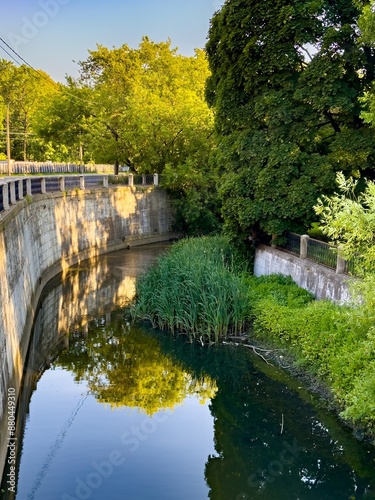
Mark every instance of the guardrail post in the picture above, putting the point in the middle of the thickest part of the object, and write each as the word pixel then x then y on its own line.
pixel 105 181
pixel 303 246
pixel 340 263
pixel 62 183
pixel 43 188
pixel 28 187
pixel 143 180
pixel 131 180
pixel 12 186
pixel 156 179
pixel 81 182
pixel 4 187
pixel 20 189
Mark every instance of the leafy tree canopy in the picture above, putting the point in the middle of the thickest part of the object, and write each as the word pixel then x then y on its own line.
pixel 142 107
pixel 24 90
pixel 285 85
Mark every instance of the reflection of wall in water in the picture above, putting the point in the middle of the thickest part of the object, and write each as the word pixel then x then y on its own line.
pixel 54 231
pixel 87 291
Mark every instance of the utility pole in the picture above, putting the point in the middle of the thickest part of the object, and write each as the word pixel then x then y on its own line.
pixel 81 157
pixel 8 142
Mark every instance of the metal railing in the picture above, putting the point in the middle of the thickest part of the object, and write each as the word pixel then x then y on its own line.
pixel 293 243
pixel 322 253
pixel 318 251
pixel 14 189
pixel 47 167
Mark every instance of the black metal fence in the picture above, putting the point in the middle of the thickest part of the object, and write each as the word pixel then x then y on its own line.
pixel 293 243
pixel 93 181
pixel 320 252
pixel 72 183
pixel 36 186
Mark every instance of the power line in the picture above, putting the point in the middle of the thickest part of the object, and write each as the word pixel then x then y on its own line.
pixel 27 64
pixel 10 55
pixel 42 75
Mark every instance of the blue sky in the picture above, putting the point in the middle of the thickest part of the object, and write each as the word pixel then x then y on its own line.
pixel 51 34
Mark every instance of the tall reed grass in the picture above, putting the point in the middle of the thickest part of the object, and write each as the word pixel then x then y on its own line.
pixel 196 289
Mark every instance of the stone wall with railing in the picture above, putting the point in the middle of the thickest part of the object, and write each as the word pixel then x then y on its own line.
pixel 317 251
pixel 48 224
pixel 14 189
pixel 308 268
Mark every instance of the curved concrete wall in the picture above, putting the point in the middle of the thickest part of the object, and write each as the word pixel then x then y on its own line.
pixel 42 238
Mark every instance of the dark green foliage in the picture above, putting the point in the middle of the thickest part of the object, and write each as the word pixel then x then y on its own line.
pixel 316 232
pixel 285 121
pixel 193 192
pixel 282 289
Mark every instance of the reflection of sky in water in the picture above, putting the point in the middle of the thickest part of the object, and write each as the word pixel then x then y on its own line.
pixel 67 438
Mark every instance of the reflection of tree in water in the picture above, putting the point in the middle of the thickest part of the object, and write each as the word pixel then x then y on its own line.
pixel 312 458
pixel 125 367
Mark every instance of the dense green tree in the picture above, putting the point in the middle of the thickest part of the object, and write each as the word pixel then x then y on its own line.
pixel 23 90
pixel 142 107
pixel 64 123
pixel 285 85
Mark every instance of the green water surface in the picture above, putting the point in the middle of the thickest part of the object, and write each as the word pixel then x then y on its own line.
pixel 113 411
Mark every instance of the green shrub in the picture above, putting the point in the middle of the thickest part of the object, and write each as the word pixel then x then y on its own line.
pixel 317 233
pixel 335 343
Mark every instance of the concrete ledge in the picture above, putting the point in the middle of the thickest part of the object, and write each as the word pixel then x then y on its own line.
pixel 321 281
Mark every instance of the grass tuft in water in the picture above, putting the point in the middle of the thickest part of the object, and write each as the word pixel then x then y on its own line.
pixel 196 289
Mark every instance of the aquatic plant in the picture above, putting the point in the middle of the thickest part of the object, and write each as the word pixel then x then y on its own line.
pixel 198 289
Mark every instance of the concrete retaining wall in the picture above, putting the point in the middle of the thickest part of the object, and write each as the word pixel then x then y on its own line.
pixel 323 282
pixel 42 238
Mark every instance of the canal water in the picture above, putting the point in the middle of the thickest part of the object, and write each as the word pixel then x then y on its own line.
pixel 113 411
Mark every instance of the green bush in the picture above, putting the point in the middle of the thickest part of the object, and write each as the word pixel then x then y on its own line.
pixel 335 343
